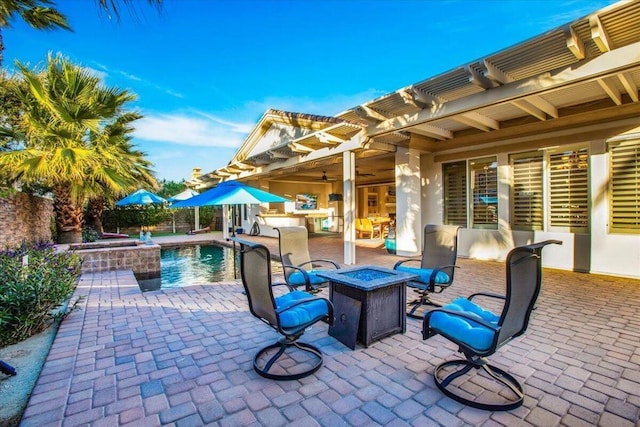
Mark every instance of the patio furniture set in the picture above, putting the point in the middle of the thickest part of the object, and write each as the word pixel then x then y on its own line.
pixel 367 303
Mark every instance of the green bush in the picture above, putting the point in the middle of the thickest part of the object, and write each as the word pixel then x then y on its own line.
pixel 89 235
pixel 30 293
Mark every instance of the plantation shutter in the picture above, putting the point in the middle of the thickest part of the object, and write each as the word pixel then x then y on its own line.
pixel 569 190
pixel 485 193
pixel 527 190
pixel 624 187
pixel 455 193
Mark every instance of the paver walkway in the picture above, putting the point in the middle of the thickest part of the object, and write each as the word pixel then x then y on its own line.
pixel 184 357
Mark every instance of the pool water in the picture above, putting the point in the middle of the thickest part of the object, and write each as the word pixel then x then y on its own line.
pixel 196 265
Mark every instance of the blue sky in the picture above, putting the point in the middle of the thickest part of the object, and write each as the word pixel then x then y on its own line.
pixel 205 71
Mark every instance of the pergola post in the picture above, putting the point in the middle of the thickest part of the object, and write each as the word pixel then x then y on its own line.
pixel 349 205
pixel 408 202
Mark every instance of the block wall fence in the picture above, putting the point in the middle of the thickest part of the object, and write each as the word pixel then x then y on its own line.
pixel 24 217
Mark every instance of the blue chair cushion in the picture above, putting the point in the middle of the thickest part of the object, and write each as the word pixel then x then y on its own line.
pixel 464 330
pixel 301 314
pixel 297 279
pixel 425 274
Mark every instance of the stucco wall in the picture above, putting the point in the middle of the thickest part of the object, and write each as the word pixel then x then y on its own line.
pixel 24 217
pixel 600 251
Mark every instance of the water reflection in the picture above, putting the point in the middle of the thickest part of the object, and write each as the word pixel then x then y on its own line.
pixel 198 264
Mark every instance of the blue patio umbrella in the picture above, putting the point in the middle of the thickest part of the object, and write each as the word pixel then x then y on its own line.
pixel 230 193
pixel 184 195
pixel 140 197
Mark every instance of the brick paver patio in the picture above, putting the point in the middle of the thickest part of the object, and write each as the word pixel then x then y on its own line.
pixel 184 357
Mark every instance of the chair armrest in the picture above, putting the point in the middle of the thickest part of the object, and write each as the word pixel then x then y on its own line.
pixel 281 284
pixel 305 275
pixel 426 330
pixel 486 294
pixel 406 260
pixel 328 261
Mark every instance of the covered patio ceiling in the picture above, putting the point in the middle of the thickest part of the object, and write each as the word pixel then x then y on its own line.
pixel 580 75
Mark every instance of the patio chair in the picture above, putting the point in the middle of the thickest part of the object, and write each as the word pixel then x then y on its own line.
pixel 437 265
pixel 299 269
pixel 289 314
pixel 365 227
pixel 479 332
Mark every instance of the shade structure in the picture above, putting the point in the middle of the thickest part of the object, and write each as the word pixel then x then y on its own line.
pixel 230 193
pixel 184 195
pixel 140 197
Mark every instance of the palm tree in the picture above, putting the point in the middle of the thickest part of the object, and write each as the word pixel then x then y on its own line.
pixel 75 134
pixel 41 15
pixel 36 13
pixel 114 142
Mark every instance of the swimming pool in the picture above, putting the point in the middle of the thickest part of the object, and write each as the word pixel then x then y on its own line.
pixel 196 265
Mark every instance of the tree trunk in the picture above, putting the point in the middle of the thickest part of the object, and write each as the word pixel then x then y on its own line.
pixel 68 215
pixel 95 209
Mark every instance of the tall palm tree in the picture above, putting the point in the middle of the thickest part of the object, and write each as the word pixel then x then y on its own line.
pixel 126 162
pixel 42 14
pixel 37 13
pixel 74 135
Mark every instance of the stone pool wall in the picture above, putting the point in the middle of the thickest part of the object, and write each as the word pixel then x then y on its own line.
pixel 143 259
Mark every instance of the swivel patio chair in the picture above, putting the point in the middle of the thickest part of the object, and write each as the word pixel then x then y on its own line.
pixel 289 314
pixel 437 265
pixel 479 332
pixel 299 269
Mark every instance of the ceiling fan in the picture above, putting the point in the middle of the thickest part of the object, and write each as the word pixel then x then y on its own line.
pixel 324 177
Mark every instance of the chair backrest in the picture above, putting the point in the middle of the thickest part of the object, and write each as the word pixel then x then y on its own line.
pixel 255 269
pixel 524 280
pixel 294 246
pixel 440 247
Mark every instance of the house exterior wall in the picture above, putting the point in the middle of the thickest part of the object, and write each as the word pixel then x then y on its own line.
pixel 597 250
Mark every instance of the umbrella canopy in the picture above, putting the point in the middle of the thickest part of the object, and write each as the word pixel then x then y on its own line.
pixel 140 197
pixel 230 193
pixel 186 194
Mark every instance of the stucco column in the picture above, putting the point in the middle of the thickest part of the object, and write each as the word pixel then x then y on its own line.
pixel 225 221
pixel 408 203
pixel 349 206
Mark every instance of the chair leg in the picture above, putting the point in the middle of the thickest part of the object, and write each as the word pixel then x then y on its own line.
pixel 422 300
pixel 283 345
pixel 497 401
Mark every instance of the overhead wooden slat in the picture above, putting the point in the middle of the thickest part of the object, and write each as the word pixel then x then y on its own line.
pixel 611 90
pixel 599 35
pixel 574 43
pixel 530 109
pixel 543 104
pixel 629 85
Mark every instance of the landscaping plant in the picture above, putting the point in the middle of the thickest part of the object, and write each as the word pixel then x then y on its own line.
pixel 35 281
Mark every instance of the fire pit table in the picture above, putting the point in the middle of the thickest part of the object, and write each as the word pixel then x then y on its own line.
pixel 369 303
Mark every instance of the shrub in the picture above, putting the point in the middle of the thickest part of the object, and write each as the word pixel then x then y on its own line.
pixel 89 235
pixel 30 293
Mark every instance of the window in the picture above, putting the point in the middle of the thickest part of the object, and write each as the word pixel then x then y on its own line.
pixel 526 192
pixel 624 186
pixel 454 179
pixel 569 190
pixel 484 185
